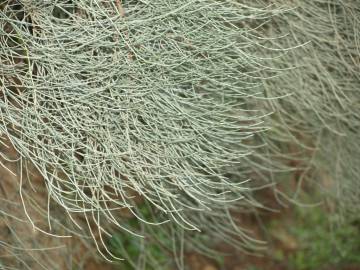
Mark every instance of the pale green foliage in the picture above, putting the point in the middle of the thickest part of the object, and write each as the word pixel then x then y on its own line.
pixel 141 100
pixel 322 113
pixel 167 102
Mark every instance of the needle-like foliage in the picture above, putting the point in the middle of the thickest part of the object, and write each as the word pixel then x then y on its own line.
pixel 159 109
pixel 118 104
pixel 321 112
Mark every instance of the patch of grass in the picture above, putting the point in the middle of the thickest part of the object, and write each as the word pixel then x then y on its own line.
pixel 141 253
pixel 320 243
pixel 138 254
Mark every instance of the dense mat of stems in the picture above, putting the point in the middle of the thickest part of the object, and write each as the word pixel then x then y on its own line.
pixel 322 113
pixel 159 108
pixel 118 104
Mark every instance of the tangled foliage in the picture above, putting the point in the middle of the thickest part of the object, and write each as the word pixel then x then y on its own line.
pixel 156 110
pixel 21 247
pixel 321 115
pixel 118 104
